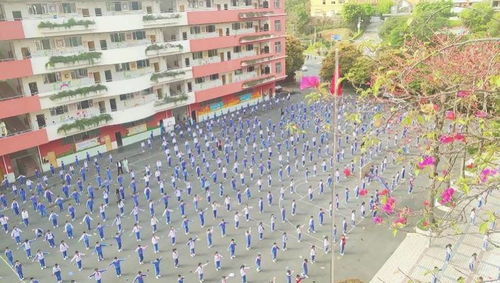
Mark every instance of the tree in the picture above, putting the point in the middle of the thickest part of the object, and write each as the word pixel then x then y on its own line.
pixel 295 56
pixel 428 18
pixel 477 17
pixel 360 73
pixel 494 25
pixel 384 6
pixel 393 30
pixel 298 18
pixel 352 13
pixel 349 53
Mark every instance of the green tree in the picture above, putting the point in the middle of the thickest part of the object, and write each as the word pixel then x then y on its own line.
pixel 477 17
pixel 348 52
pixel 295 56
pixel 360 73
pixel 428 18
pixel 384 6
pixel 352 13
pixel 393 30
pixel 494 25
pixel 298 18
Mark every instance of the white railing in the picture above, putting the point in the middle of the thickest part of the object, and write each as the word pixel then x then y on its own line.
pixel 125 75
pixel 243 54
pixel 204 61
pixel 242 31
pixel 245 76
pixel 70 117
pixel 208 85
pixel 64 85
pixel 125 44
pixel 203 35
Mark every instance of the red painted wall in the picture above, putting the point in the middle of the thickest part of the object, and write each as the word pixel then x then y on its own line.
pixel 56 146
pixel 8 164
pixel 19 106
pixel 23 141
pixel 15 69
pixel 11 30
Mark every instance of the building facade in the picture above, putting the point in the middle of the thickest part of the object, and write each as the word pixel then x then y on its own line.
pixel 326 8
pixel 95 75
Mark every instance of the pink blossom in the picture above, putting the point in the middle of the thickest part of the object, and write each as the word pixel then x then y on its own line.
pixel 485 173
pixel 463 93
pixel 481 114
pixel 388 208
pixel 400 220
pixel 363 192
pixel 309 82
pixel 377 220
pixel 446 139
pixel 383 192
pixel 427 161
pixel 391 201
pixel 459 137
pixel 450 115
pixel 447 195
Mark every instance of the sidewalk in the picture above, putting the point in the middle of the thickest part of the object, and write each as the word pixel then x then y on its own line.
pixel 414 258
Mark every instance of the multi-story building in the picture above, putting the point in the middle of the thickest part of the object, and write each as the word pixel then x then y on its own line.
pixel 326 8
pixel 89 76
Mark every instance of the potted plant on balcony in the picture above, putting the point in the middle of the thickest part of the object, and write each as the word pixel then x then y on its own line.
pixel 82 124
pixel 148 18
pixel 90 57
pixel 155 77
pixel 83 91
pixel 157 47
pixel 66 25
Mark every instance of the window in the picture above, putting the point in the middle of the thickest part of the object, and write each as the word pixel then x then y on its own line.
pixel 208 3
pixel 190 87
pixel 250 69
pixel 237 49
pixel 73 41
pixel 197 55
pixel 210 28
pixel 84 104
pixel 212 53
pixel 277 47
pixel 139 35
pixel 44 44
pixel 199 80
pixel 51 78
pixel 114 6
pixel 277 25
pixel 135 6
pixel 38 9
pixel 249 24
pixel 277 4
pixel 195 30
pixel 59 110
pixel 122 67
pixel 234 3
pixel 127 96
pixel 68 8
pixel 142 64
pixel 236 26
pixel 249 47
pixel 238 72
pixel 79 74
pixel 117 37
pixel 98 12
pixel 214 77
pixel 278 68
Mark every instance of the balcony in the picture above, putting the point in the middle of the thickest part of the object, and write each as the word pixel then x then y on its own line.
pixel 161 20
pixel 205 61
pixel 171 75
pixel 167 48
pixel 253 38
pixel 257 82
pixel 13 69
pixel 11 30
pixel 73 61
pixel 58 26
pixel 22 140
pixel 19 105
pixel 197 16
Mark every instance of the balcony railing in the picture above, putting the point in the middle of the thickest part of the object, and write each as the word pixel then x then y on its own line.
pixel 204 61
pixel 207 85
pixel 204 35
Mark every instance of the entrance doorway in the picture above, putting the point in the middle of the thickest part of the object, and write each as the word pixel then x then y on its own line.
pixel 119 141
pixel 193 115
pixel 26 162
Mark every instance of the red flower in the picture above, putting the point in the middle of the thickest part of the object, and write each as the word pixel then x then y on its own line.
pixel 481 114
pixel 463 93
pixel 446 139
pixel 363 192
pixel 459 137
pixel 383 192
pixel 470 166
pixel 425 223
pixel 450 115
pixel 426 203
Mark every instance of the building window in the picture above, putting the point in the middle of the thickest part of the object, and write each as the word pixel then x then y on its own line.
pixel 127 96
pixel 238 72
pixel 142 64
pixel 324 2
pixel 277 25
pixel 139 35
pixel 237 49
pixel 51 78
pixel 122 67
pixel 250 69
pixel 59 110
pixel 277 47
pixel 84 104
pixel 278 68
pixel 214 77
pixel 135 6
pixel 197 55
pixel 68 8
pixel 277 4
pixel 199 80
pixel 79 74
pixel 195 30
pixel 210 28
pixel 249 47
pixel 249 24
pixel 212 53
pixel 40 9
pixel 234 3
pixel 236 26
pixel 117 37
pixel 73 41
pixel 115 6
pixel 44 44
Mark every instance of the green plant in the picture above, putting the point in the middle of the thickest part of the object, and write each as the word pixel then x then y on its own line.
pixel 79 91
pixel 147 18
pixel 82 124
pixel 68 24
pixel 157 76
pixel 156 46
pixel 87 56
pixel 172 99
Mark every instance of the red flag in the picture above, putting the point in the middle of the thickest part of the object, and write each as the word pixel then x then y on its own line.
pixel 333 83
